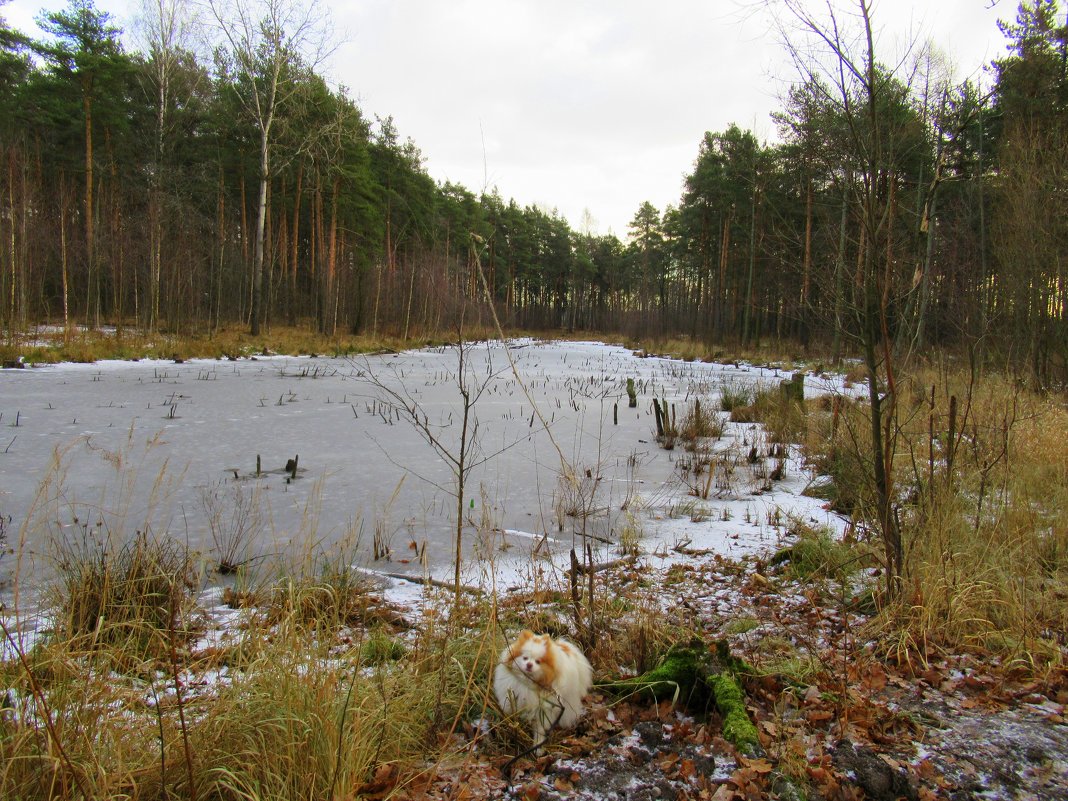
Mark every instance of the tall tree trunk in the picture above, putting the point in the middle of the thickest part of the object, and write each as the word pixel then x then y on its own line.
pixel 748 300
pixel 221 225
pixel 93 297
pixel 294 246
pixel 245 255
pixel 721 280
pixel 315 255
pixel 925 278
pixel 116 259
pixel 839 275
pixel 63 256
pixel 17 288
pixel 155 257
pixel 282 248
pixel 329 273
pixel 261 232
pixel 806 266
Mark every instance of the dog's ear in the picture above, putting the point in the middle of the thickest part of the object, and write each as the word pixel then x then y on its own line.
pixel 524 636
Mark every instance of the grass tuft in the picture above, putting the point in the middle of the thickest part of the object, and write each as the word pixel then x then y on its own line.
pixel 134 594
pixel 735 394
pixel 817 554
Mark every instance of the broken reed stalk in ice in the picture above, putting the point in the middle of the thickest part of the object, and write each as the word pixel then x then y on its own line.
pixel 381 545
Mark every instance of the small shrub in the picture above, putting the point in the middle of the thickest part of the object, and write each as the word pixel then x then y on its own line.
pixel 234 525
pixel 576 494
pixel 380 647
pixel 630 536
pixel 323 590
pixel 856 374
pixel 741 625
pixel 336 595
pixel 783 417
pixel 744 414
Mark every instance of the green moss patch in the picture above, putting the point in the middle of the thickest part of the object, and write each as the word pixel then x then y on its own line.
pixel 699 677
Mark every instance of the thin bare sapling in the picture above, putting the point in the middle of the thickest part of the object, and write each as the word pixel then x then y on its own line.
pixel 459 447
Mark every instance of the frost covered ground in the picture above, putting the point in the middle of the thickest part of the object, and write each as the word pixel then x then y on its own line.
pixel 115 447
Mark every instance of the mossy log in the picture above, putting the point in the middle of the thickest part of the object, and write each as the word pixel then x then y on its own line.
pixel 697 677
pixel 677 678
pixel 730 701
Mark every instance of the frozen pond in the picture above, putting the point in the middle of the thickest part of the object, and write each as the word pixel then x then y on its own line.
pixel 118 447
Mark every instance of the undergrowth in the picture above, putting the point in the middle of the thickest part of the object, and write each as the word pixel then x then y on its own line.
pixel 319 691
pixel 981 496
pixel 982 499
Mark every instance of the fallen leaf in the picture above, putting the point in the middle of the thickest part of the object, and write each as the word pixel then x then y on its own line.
pixel 381 785
pixel 875 678
pixel 818 715
pixel 759 766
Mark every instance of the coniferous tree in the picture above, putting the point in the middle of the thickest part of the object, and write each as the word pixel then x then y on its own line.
pixel 86 56
pixel 1030 229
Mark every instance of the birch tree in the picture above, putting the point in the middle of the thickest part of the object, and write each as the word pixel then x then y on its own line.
pixel 265 42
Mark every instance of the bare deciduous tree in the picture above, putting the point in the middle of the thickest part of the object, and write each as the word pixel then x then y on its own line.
pixel 834 48
pixel 266 42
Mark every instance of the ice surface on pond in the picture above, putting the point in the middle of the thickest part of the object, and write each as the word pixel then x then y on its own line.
pixel 112 448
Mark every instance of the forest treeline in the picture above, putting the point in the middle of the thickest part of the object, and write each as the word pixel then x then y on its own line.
pixel 162 190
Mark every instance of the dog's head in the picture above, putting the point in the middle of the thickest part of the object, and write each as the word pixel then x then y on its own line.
pixel 532 655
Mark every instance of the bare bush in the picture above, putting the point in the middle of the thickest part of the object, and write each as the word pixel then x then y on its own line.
pixel 234 521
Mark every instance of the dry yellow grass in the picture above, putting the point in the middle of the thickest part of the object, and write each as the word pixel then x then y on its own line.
pixel 229 341
pixel 983 507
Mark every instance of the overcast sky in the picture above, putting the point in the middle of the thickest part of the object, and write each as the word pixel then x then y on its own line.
pixel 585 106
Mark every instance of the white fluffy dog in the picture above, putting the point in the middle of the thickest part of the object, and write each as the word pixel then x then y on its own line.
pixel 543 680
